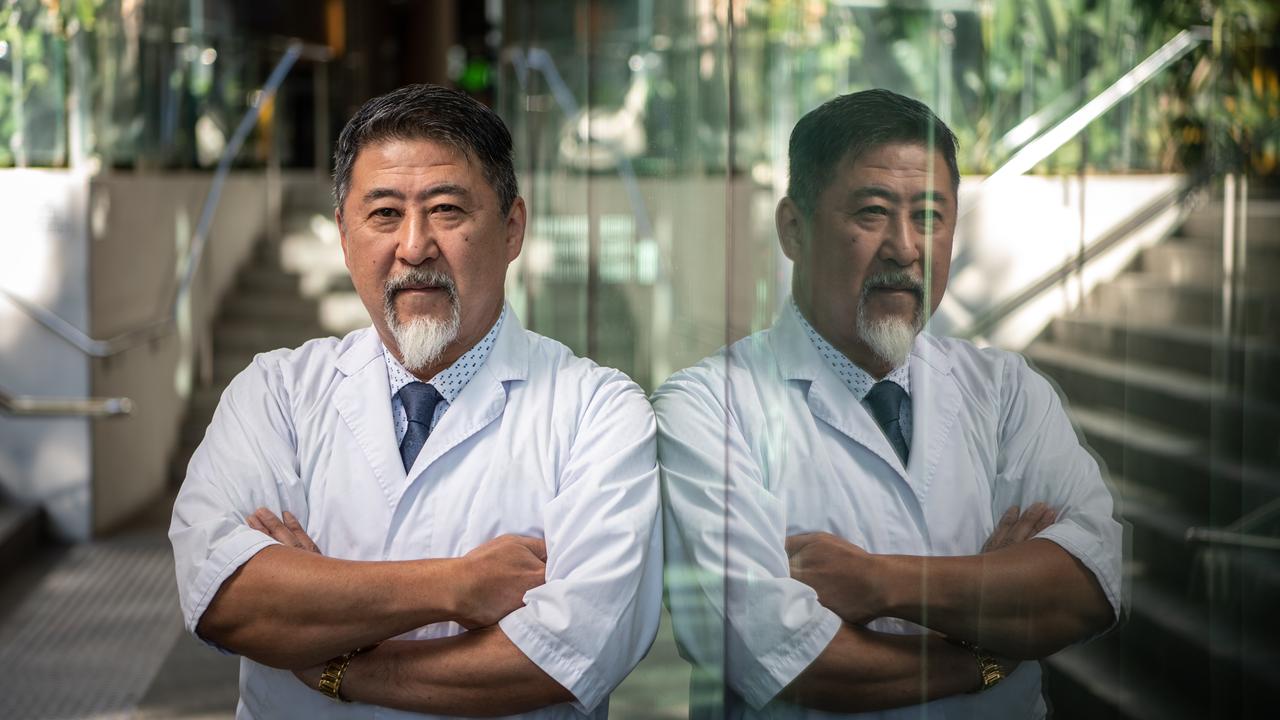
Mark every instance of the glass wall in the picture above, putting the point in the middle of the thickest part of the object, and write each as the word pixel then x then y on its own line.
pixel 1116 227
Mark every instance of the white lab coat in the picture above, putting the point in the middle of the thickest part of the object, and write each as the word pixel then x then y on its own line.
pixel 763 440
pixel 538 443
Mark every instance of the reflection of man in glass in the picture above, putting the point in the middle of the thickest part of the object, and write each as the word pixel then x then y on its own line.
pixel 861 517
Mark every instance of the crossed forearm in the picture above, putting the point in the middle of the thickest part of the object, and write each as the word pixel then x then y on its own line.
pixel 1026 601
pixel 861 670
pixel 290 608
pixel 480 674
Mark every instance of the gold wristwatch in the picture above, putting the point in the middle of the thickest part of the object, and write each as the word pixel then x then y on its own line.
pixel 990 671
pixel 331 677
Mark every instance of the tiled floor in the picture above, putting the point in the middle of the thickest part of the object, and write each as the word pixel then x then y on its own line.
pixel 94 631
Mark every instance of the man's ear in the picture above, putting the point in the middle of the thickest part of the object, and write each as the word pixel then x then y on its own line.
pixel 516 217
pixel 789 222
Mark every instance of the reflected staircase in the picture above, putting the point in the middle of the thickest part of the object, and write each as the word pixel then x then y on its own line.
pixel 1186 419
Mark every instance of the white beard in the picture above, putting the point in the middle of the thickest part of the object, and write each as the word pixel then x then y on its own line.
pixel 891 338
pixel 423 340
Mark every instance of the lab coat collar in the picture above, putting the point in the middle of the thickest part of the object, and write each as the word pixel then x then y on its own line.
pixel 363 399
pixel 935 400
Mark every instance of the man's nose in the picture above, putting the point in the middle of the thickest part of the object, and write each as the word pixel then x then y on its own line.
pixel 903 241
pixel 417 241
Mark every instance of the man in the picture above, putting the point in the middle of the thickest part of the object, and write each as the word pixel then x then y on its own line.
pixel 357 503
pixel 845 496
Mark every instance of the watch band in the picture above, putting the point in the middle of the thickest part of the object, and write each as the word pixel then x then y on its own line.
pixel 331 677
pixel 990 671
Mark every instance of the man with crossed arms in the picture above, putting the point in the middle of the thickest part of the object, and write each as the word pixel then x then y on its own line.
pixel 358 502
pixel 844 495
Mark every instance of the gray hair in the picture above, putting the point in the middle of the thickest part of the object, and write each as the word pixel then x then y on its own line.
pixel 851 125
pixel 429 112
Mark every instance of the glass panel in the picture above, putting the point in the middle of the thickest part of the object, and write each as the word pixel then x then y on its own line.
pixel 1130 263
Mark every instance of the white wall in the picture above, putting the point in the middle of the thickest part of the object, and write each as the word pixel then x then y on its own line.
pixel 104 253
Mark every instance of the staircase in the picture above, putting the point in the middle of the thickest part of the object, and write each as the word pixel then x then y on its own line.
pixel 1187 422
pixel 286 293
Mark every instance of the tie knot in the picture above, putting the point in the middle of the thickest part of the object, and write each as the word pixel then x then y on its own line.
pixel 420 400
pixel 885 400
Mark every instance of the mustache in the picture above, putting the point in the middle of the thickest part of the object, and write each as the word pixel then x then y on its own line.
pixel 898 279
pixel 419 277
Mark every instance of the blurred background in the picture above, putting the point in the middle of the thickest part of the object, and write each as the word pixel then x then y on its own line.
pixel 167 213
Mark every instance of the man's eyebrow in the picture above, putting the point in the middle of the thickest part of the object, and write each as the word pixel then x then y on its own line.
pixel 441 189
pixel 874 191
pixel 936 196
pixel 380 193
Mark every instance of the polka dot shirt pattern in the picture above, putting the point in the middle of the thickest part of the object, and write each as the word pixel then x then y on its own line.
pixel 448 382
pixel 858 381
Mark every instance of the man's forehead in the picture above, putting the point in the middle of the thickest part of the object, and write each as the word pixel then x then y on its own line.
pixel 909 163
pixel 408 153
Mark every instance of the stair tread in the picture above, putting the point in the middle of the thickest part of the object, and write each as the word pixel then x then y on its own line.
pixel 1176 383
pixel 1186 333
pixel 1155 438
pixel 1181 617
pixel 1125 686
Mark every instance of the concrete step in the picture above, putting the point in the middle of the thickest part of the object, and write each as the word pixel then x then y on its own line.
pixel 21 534
pixel 251 335
pixel 1086 682
pixel 1145 300
pixel 1207 661
pixel 1263 221
pixel 1250 363
pixel 1198 261
pixel 1237 425
pixel 1209 489
pixel 258 278
pixel 271 308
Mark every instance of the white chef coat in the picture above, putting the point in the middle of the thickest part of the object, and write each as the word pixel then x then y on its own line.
pixel 538 443
pixel 762 441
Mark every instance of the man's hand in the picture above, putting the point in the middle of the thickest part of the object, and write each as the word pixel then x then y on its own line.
pixel 844 575
pixel 1015 528
pixel 491 579
pixel 288 532
pixel 495 576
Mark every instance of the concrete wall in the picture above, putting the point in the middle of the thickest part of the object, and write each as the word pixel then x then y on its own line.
pixel 142 230
pixel 104 253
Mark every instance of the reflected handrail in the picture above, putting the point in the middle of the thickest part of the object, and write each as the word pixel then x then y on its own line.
pixel 100 348
pixel 55 406
pixel 1037 150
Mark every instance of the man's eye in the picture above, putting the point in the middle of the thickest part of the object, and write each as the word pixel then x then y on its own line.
pixel 930 216
pixel 385 212
pixel 446 208
pixel 874 210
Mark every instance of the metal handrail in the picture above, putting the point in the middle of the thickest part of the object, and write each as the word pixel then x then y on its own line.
pixel 156 328
pixel 1036 151
pixel 53 406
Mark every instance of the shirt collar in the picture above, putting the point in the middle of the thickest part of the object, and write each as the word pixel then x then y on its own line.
pixel 858 381
pixel 450 381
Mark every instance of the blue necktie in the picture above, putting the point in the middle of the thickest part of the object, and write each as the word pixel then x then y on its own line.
pixel 886 401
pixel 420 400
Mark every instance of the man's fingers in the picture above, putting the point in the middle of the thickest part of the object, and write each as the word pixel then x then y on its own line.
pixel 795 543
pixel 1026 525
pixel 272 526
pixel 1047 518
pixel 535 545
pixel 1000 536
pixel 295 527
